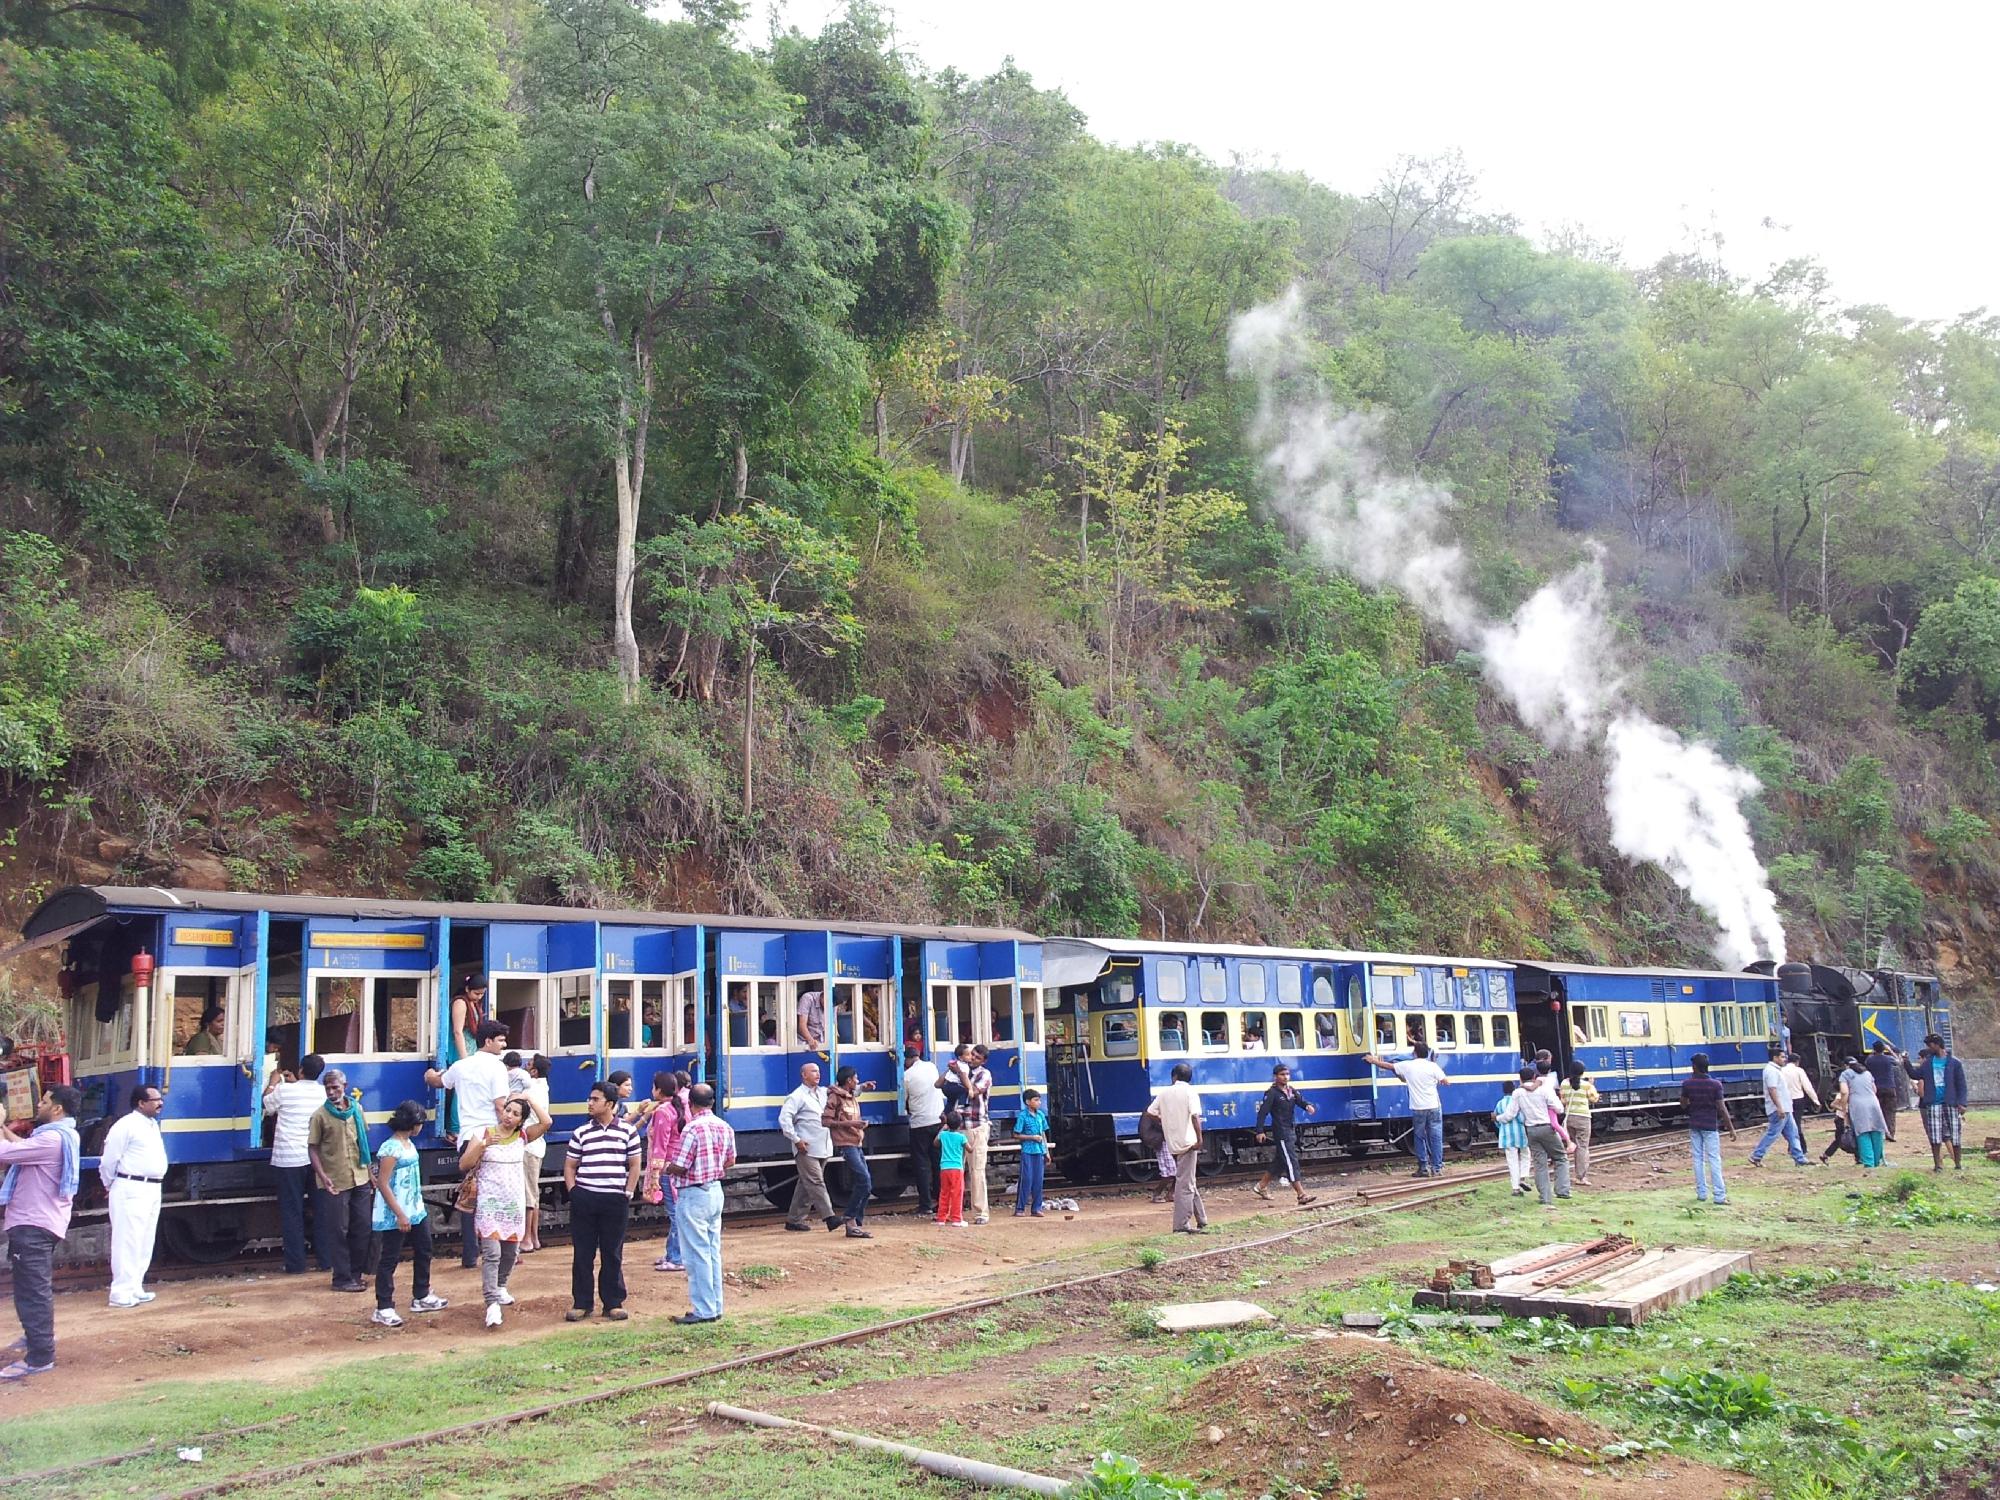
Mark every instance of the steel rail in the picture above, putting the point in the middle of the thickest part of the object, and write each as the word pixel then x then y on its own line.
pixel 283 1472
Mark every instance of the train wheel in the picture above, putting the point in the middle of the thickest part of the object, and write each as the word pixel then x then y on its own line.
pixel 199 1240
pixel 1459 1133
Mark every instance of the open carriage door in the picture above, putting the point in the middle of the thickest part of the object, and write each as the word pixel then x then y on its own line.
pixel 257 1062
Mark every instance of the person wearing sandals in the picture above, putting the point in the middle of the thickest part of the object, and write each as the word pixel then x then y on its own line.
pixel 40 1185
pixel 493 1158
pixel 1280 1105
pixel 844 1124
pixel 663 1134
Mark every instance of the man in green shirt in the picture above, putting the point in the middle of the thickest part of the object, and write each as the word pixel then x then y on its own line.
pixel 337 1143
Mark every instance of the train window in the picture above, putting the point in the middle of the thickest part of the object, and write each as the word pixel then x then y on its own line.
pixel 1326 1030
pixel 846 999
pixel 1430 987
pixel 1635 1023
pixel 940 1014
pixel 1291 1030
pixel 1596 1022
pixel 1385 1029
pixel 1503 1032
pixel 1172 1030
pixel 576 1024
pixel 653 1013
pixel 1470 994
pixel 1121 986
pixel 1250 981
pixel 689 1012
pixel 1121 1036
pixel 1756 1021
pixel 1445 1030
pixel 336 1014
pixel 1255 1036
pixel 1031 1015
pixel 1214 982
pixel 736 999
pixel 1000 1012
pixel 1388 991
pixel 1496 988
pixel 964 1013
pixel 768 1003
pixel 194 995
pixel 517 1006
pixel 878 1015
pixel 1215 1031
pixel 399 1016
pixel 619 997
pixel 1171 977
pixel 1413 1030
pixel 1475 1031
pixel 1323 988
pixel 1289 988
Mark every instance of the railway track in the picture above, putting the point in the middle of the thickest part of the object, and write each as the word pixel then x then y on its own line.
pixel 263 1259
pixel 1324 1217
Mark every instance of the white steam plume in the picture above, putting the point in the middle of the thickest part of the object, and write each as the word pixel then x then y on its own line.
pixel 1673 804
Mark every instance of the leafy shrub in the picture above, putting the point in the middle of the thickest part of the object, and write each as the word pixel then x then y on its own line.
pixel 42 640
pixel 1116 1477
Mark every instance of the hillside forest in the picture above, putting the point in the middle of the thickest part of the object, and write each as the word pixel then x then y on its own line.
pixel 573 451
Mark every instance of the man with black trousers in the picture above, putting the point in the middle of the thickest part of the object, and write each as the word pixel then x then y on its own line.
pixel 601 1172
pixel 1883 1066
pixel 924 1103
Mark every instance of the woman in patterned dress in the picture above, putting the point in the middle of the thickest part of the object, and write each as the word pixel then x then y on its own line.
pixel 500 1217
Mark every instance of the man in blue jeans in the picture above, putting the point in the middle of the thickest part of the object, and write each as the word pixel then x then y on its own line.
pixel 1778 1111
pixel 1423 1076
pixel 1707 1117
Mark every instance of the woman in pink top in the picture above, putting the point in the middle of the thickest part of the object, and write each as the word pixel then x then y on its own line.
pixel 663 1134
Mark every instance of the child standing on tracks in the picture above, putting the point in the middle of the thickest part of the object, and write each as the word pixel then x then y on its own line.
pixel 1031 1129
pixel 951 1170
pixel 401 1218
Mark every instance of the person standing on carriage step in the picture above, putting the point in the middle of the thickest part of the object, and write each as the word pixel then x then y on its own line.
pixel 1280 1105
pixel 1941 1099
pixel 1423 1076
pixel 133 1164
pixel 802 1121
pixel 924 1102
pixel 42 1173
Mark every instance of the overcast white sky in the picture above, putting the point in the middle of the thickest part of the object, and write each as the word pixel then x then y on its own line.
pixel 1863 131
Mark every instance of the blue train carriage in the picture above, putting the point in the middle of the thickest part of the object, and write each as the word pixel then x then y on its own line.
pixel 836 994
pixel 1635 1029
pixel 1122 1012
pixel 1463 1009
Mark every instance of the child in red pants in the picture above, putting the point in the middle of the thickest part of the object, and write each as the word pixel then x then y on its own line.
pixel 951 1170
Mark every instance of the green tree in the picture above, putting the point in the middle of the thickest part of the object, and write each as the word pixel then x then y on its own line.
pixel 1956 651
pixel 360 172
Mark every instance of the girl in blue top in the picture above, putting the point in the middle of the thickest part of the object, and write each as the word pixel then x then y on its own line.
pixel 1513 1135
pixel 401 1218
pixel 1031 1129
pixel 951 1170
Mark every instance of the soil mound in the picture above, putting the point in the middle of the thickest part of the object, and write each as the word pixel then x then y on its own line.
pixel 1356 1412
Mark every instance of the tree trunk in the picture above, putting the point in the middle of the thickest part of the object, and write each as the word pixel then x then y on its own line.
pixel 881 423
pixel 959 450
pixel 742 473
pixel 749 718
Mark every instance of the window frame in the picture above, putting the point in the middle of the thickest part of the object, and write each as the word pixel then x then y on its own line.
pixel 557 989
pixel 1503 1022
pixel 1266 1031
pixel 1160 1042
pixel 368 1050
pixel 753 1014
pixel 237 1020
pixel 1298 1014
pixel 1243 973
pixel 1475 1021
pixel 1162 967
pixel 677 990
pixel 1438 1024
pixel 1291 986
pixel 1208 1048
pixel 1212 980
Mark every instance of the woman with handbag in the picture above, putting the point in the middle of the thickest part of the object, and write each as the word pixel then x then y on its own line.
pixel 491 1162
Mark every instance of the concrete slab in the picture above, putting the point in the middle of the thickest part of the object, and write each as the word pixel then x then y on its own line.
pixel 1192 1317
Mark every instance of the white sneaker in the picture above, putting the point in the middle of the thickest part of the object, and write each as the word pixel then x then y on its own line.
pixel 432 1303
pixel 979 1219
pixel 127 1302
pixel 492 1315
pixel 144 1296
pixel 506 1298
pixel 387 1317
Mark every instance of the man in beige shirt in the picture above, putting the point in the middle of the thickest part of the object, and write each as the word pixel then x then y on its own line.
pixel 1180 1120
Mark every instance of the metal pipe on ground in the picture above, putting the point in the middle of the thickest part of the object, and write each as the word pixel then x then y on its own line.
pixel 949 1465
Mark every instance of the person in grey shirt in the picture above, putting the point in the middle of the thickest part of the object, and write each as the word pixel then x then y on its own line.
pixel 800 1118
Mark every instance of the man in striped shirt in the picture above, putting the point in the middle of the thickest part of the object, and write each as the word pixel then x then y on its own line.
pixel 707 1150
pixel 601 1171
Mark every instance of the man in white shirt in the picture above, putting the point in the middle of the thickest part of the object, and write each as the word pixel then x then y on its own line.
pixel 479 1083
pixel 1799 1084
pixel 1181 1123
pixel 923 1104
pixel 294 1101
pixel 1539 1110
pixel 1778 1114
pixel 1422 1076
pixel 801 1119
pixel 133 1164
